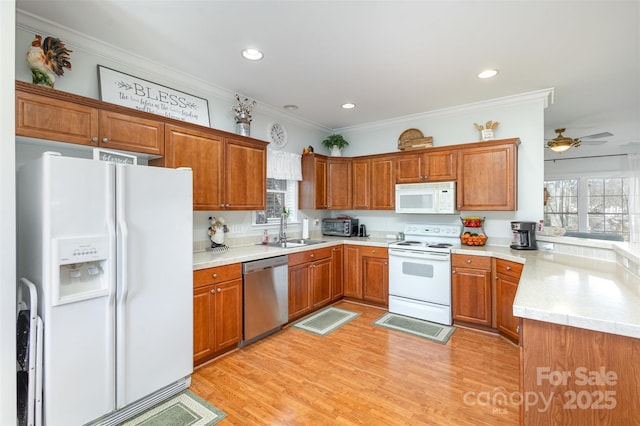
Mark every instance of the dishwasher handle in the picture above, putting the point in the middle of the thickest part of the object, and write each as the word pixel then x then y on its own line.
pixel 262 264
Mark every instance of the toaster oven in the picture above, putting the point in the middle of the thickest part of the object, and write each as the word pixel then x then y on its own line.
pixel 340 227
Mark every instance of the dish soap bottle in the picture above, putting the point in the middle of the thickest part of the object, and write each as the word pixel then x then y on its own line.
pixel 265 238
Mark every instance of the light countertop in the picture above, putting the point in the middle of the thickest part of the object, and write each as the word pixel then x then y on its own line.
pixel 557 288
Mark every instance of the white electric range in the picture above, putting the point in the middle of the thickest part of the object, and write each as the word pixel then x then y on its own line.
pixel 420 272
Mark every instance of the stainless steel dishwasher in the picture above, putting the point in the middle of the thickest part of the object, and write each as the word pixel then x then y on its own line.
pixel 265 296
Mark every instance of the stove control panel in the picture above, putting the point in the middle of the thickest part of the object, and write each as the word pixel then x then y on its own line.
pixel 432 230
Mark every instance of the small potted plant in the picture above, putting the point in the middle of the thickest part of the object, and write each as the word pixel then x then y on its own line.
pixel 335 143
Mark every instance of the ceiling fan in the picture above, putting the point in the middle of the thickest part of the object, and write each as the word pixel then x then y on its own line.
pixel 562 143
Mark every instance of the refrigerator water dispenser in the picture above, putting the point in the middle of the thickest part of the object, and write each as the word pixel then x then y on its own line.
pixel 83 271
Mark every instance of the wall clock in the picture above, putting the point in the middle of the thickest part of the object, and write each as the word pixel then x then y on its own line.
pixel 277 135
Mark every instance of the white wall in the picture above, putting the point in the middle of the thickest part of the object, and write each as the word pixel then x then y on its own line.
pixel 7 216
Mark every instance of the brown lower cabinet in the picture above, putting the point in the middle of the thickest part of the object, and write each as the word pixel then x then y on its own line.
pixel 337 277
pixel 471 289
pixel 507 279
pixel 310 276
pixel 217 311
pixel 366 274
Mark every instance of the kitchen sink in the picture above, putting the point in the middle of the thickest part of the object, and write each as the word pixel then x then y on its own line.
pixel 296 243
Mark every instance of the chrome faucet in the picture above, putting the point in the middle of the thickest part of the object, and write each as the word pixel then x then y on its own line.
pixel 282 235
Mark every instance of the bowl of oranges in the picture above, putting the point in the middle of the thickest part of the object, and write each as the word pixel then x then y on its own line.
pixel 472 239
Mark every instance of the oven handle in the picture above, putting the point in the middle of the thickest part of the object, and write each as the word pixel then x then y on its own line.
pixel 419 254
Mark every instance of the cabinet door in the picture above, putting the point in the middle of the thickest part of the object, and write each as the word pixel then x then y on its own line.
pixel 202 152
pixel 228 314
pixel 55 120
pixel 299 290
pixel 352 272
pixel 312 190
pixel 487 178
pixel 321 282
pixel 130 133
pixel 471 295
pixel 361 184
pixel 410 168
pixel 339 184
pixel 506 288
pixel 337 275
pixel 203 323
pixel 245 176
pixel 440 166
pixel 383 184
pixel 375 280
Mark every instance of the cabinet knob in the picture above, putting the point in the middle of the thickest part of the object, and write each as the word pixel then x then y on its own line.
pixel 215 275
pixel 94 139
pixel 468 260
pixel 311 255
pixel 385 263
pixel 226 205
pixel 219 289
pixel 222 205
pixel 453 272
pixel 508 268
pixel 105 140
pixel 373 251
pixel 213 290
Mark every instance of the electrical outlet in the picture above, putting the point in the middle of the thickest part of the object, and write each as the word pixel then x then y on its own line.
pixel 236 229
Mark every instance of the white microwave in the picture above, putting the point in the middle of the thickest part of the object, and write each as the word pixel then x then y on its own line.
pixel 426 198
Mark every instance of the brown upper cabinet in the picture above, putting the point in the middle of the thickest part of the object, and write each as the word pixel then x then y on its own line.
pixel 49 114
pixel 228 173
pixel 435 166
pixel 361 183
pixel 326 183
pixel 487 176
pixel 383 179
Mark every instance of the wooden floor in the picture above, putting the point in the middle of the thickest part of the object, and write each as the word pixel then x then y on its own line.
pixel 364 374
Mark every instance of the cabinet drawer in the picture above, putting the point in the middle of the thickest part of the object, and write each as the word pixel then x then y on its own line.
pixel 511 269
pixel 309 256
pixel 478 262
pixel 380 252
pixel 219 274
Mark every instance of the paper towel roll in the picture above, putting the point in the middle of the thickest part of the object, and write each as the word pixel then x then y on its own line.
pixel 305 229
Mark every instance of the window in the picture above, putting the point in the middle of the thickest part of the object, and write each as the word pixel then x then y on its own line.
pixel 593 205
pixel 608 206
pixel 280 193
pixel 562 205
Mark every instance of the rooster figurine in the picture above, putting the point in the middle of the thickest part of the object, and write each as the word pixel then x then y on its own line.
pixel 47 59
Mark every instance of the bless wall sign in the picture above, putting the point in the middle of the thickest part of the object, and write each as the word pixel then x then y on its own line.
pixel 133 92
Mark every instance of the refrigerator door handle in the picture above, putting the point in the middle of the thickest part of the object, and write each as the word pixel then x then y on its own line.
pixel 123 289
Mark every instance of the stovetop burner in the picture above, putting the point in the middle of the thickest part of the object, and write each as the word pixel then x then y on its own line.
pixel 429 237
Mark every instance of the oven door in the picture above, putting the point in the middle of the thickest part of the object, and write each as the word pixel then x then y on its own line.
pixel 419 275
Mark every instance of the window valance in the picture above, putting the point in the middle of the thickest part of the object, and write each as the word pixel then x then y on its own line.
pixel 284 165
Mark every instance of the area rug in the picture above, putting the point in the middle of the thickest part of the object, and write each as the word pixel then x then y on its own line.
pixel 184 409
pixel 325 321
pixel 428 330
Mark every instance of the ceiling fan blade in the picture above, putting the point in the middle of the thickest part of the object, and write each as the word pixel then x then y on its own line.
pixel 596 136
pixel 594 142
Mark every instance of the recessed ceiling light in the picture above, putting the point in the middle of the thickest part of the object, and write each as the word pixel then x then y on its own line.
pixel 488 73
pixel 290 107
pixel 348 105
pixel 252 54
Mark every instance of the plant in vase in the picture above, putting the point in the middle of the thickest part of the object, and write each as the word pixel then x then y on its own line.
pixel 335 143
pixel 243 110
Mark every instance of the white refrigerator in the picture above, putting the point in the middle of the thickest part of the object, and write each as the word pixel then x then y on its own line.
pixel 109 247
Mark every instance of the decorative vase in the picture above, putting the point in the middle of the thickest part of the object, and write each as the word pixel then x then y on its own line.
pixel 243 124
pixel 335 151
pixel 487 134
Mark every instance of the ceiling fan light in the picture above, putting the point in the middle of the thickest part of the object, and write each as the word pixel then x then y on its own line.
pixel 560 146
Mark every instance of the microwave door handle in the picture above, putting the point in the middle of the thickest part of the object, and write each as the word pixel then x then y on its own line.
pixel 419 254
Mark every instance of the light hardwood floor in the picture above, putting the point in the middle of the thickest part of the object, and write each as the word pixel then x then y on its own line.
pixel 364 374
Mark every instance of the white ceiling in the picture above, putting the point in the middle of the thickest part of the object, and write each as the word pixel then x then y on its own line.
pixel 390 58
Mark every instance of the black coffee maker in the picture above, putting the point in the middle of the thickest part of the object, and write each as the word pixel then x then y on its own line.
pixel 524 235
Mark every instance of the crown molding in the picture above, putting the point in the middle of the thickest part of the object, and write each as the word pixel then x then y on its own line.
pixel 546 96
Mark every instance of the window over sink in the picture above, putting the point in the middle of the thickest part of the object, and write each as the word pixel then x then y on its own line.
pixel 280 193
